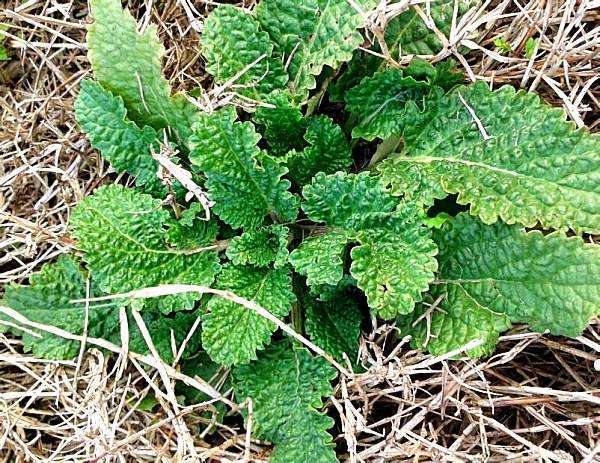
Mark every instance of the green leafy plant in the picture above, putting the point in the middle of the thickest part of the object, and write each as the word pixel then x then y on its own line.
pixel 531 45
pixel 502 45
pixel 320 225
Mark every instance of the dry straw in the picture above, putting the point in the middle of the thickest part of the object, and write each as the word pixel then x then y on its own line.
pixel 537 399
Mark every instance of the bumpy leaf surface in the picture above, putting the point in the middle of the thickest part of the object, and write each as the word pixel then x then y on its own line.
pixel 103 117
pixel 244 183
pixel 499 273
pixel 283 124
pixel 334 324
pixel 393 268
pixel 286 385
pixel 407 34
pixel 379 102
pixel 328 151
pixel 47 300
pixel 394 261
pixel 340 199
pixel 128 64
pixel 123 235
pixel 320 257
pixel 459 320
pixel 362 65
pixel 507 154
pixel 163 331
pixel 231 334
pixel 233 45
pixel 191 230
pixel 311 34
pixel 260 247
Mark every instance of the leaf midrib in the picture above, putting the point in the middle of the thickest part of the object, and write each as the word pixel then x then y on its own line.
pixel 500 170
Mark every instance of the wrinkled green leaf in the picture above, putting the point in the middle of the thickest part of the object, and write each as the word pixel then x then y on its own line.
pixel 519 160
pixel 311 34
pixel 122 234
pixel 244 183
pixel 260 247
pixel 286 385
pixel 235 48
pixel 128 64
pixel 231 333
pixel 328 151
pixel 494 275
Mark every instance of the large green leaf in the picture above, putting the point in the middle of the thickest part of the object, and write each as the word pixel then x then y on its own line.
pixel 286 385
pixel 123 235
pixel 494 275
pixel 507 154
pixel 379 102
pixel 48 300
pixel 128 64
pixel 244 183
pixel 163 331
pixel 231 333
pixel 234 47
pixel 311 34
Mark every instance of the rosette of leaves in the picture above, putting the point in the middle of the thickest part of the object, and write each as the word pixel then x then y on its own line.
pixel 296 228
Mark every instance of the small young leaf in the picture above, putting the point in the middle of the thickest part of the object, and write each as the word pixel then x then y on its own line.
pixel 530 47
pixel 260 247
pixel 245 184
pixel 231 333
pixel 4 55
pixel 319 258
pixel 233 46
pixel 283 125
pixel 328 152
pixel 502 44
pixel 493 274
pixel 128 64
pixel 286 384
pixel 122 233
pixel 380 103
pixel 393 268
